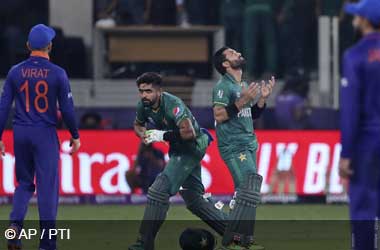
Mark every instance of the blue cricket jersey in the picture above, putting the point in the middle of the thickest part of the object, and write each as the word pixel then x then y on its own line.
pixel 360 95
pixel 37 85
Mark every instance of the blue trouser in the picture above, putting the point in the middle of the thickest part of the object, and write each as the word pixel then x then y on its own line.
pixel 37 154
pixel 364 194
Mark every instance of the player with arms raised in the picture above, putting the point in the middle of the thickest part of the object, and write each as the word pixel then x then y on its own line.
pixel 234 111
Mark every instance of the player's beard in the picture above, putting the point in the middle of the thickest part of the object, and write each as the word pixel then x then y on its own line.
pixel 238 63
pixel 149 103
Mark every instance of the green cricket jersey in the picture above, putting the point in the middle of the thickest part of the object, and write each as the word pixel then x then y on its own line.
pixel 236 133
pixel 170 113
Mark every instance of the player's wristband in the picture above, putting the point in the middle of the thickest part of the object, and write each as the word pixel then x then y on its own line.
pixel 256 111
pixel 172 136
pixel 232 110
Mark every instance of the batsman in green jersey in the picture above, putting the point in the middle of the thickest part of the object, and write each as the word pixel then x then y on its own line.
pixel 234 111
pixel 174 124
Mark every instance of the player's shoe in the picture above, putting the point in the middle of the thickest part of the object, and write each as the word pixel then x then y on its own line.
pixel 255 246
pixel 14 244
pixel 138 245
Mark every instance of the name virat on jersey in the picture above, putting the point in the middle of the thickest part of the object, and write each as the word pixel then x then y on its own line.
pixel 34 73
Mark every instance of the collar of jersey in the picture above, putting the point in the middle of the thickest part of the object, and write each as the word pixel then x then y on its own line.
pixel 232 79
pixel 40 54
pixel 372 35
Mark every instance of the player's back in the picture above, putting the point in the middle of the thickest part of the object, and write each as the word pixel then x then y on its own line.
pixel 367 52
pixel 36 84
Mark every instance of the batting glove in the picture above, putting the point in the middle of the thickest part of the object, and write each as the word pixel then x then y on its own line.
pixel 154 135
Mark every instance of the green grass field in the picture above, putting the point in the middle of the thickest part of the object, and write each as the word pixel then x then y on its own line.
pixel 115 226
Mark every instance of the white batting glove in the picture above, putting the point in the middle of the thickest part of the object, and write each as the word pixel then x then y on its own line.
pixel 154 135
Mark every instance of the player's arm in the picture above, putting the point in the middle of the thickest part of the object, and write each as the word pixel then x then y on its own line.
pixel 220 113
pixel 349 111
pixel 177 112
pixel 257 110
pixel 140 129
pixel 5 105
pixel 224 111
pixel 66 105
pixel 349 104
pixel 266 91
pixel 140 122
pixel 186 130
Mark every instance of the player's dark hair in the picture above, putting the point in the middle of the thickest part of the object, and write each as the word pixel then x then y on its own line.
pixel 218 59
pixel 150 78
pixel 40 49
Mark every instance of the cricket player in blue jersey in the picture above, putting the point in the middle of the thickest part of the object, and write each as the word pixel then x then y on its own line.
pixel 360 123
pixel 37 85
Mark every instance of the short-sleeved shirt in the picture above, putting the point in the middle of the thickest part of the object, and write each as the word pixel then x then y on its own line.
pixel 168 116
pixel 236 133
